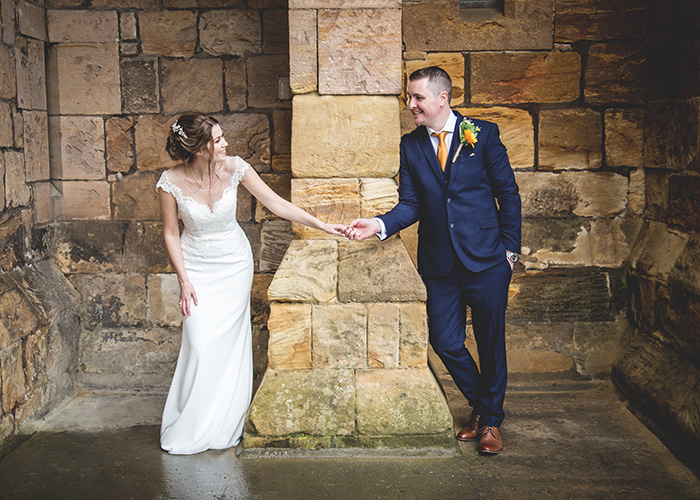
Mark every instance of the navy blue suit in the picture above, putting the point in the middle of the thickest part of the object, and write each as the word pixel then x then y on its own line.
pixel 463 236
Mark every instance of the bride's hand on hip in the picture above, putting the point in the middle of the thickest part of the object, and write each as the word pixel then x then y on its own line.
pixel 187 297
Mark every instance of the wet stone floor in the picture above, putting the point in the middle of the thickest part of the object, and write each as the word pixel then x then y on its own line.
pixel 564 444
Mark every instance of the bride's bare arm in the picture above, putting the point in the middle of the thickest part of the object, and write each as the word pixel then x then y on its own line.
pixel 171 234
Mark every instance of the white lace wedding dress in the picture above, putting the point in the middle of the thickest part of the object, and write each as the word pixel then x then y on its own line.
pixel 212 385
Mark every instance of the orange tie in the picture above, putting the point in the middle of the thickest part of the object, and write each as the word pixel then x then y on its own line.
pixel 442 148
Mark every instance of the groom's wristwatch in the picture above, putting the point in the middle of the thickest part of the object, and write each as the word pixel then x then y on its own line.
pixel 512 256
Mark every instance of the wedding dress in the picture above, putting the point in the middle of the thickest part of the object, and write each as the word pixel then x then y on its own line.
pixel 211 388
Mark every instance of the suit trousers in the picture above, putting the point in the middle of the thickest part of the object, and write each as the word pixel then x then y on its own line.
pixel 486 294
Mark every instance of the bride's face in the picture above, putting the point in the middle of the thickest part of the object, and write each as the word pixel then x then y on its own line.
pixel 217 146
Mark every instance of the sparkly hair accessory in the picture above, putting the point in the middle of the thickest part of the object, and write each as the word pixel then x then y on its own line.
pixel 177 128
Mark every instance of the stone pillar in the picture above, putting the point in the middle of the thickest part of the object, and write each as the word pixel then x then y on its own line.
pixel 348 327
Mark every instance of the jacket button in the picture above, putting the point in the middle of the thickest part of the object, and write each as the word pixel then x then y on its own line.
pixel 449 200
pixel 452 225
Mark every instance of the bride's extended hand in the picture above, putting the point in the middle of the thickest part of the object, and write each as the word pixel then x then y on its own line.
pixel 187 297
pixel 335 229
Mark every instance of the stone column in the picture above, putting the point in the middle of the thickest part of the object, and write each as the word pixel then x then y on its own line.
pixel 348 328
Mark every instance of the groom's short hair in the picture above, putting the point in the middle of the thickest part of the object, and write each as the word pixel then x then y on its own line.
pixel 438 80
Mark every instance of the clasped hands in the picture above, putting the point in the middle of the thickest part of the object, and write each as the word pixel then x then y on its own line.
pixel 357 230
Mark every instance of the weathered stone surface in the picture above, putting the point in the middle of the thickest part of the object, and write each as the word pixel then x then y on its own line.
pixel 252 231
pixel 615 73
pixel 129 48
pixel 282 124
pixel 8 87
pixel 339 336
pixel 570 139
pixel 599 20
pixel 236 84
pixel 36 146
pixel 248 136
pixel 89 247
pixel 656 195
pixel 136 197
pixel 684 201
pixel 124 4
pixel 303 55
pixel 9 15
pixel 376 271
pixel 359 51
pixel 82 200
pixel 144 249
pixel 686 269
pixel 290 336
pixel 316 402
pixel 19 128
pixel 391 402
pixel 111 300
pixel 597 347
pixel 275 28
pixel 32 20
pixel 19 316
pixel 127 26
pixel 536 348
pixel 439 26
pixel 7 424
pixel 230 32
pixel 150 134
pixel 499 78
pixel 17 192
pixel 413 346
pixel 170 33
pixel 624 137
pixel 636 193
pixel 345 4
pixel 140 85
pixel 119 144
pixel 244 205
pixel 13 382
pixel 360 136
pixel 192 85
pixel 451 62
pixel 377 196
pixel 6 135
pixel 31 74
pixel 642 300
pixel 383 332
pixel 657 251
pixel 516 130
pixel 163 294
pixel 331 200
pixel 260 313
pixel 674 131
pixel 264 73
pixel 83 79
pixel 275 238
pixel 600 194
pixel 282 163
pixel 82 26
pixel 308 272
pixel 77 147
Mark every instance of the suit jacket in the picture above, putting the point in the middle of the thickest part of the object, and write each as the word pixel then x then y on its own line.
pixel 458 216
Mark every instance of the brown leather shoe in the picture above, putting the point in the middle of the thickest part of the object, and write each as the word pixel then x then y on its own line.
pixel 470 431
pixel 489 440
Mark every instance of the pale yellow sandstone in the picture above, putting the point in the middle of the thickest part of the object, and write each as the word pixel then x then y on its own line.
pixel 290 336
pixel 308 273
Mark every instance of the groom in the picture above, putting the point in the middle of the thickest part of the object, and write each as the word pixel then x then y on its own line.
pixel 455 178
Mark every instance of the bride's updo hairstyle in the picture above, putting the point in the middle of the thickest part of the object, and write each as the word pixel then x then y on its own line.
pixel 189 134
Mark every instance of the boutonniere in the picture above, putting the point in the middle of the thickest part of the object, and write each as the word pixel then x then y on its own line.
pixel 467 135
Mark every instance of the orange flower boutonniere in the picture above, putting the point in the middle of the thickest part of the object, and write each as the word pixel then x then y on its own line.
pixel 467 135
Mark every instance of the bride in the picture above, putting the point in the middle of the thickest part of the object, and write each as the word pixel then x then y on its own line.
pixel 212 384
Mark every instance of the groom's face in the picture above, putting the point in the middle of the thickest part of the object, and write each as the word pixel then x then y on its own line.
pixel 427 108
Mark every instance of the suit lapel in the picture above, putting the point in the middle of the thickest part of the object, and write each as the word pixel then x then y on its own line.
pixel 427 147
pixel 453 148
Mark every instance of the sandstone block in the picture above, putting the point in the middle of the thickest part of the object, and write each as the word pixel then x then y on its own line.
pixel 596 345
pixel 259 4
pixel 144 249
pixel 89 247
pixel 537 348
pixel 377 196
pixel 346 4
pixel 127 26
pixel 77 147
pixel 139 79
pixel 119 144
pixel 282 124
pixel 18 126
pixel 413 346
pixel 9 16
pixel 124 4
pixel 636 193
pixel 376 271
pixel 308 272
pixel 31 74
pixel 112 300
pixel 163 294
pixel 170 33
pixel 684 272
pixel 383 332
pixel 615 73
pixel 129 48
pixel 331 200
pixel 193 85
pixel 151 133
pixel 339 336
pixel 396 402
pixel 264 74
pixel 570 139
pixel 82 200
pixel 13 382
pixel 624 137
pixel 136 197
pixel 248 136
pixel 316 402
pixel 499 78
pixel 82 26
pixel 230 32
pixel 656 195
pixel 599 20
pixel 303 53
pixel 7 139
pixel 2 188
pixel 8 87
pixel 236 84
pixel 244 205
pixel 20 316
pixel 280 184
pixel 290 336
pixel 36 148
pixel 17 192
pixel 252 231
pixel 684 201
pixel 658 250
pixel 7 424
pixel 673 135
pixel 275 29
pixel 516 128
pixel 609 247
pixel 180 4
pixel 360 136
pixel 32 20
pixel 451 62
pixel 282 163
pixel 359 51
pixel 84 79
pixel 600 194
pixel 275 238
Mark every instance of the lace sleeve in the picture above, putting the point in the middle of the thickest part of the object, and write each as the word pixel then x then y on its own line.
pixel 167 186
pixel 241 167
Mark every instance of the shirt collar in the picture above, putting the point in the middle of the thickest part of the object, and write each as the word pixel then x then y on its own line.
pixel 449 126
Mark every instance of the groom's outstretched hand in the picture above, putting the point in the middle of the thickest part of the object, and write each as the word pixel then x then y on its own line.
pixel 361 229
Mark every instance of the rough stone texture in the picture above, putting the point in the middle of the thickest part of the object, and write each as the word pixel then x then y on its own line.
pixel 315 402
pixel 599 194
pixel 136 197
pixel 262 70
pixel 32 20
pixel 168 33
pixel 439 26
pixel 500 78
pixel 570 139
pixel 193 85
pixel 124 4
pixel 260 313
pixel 636 201
pixel 36 146
pixel 657 250
pixel 248 136
pixel 303 55
pixel 17 192
pixel 163 294
pixel 676 135
pixel 331 200
pixel 516 130
pixel 360 136
pixel 685 270
pixel 282 124
pixel 111 300
pixel 230 32
pixel 236 84
pixel 31 74
pixel 615 73
pixel 450 62
pixel 89 247
pixel 77 147
pixel 282 163
pixel 144 249
pixel 13 382
pixel 377 196
pixel 20 316
pixel 413 346
pixel 624 137
pixel 119 144
pixel 656 195
pixel 536 348
pixel 9 15
pixel 684 204
pixel 308 272
pixel 82 26
pixel 376 271
pixel 6 136
pixel 275 27
pixel 275 238
pixel 8 89
pixel 140 85
pixel 290 336
pixel 150 132
pixel 599 20
pixel 392 402
pixel 346 4
pixel 359 51
pixel 82 200
pixel 83 79
pixel 127 25
pixel 383 332
pixel 339 334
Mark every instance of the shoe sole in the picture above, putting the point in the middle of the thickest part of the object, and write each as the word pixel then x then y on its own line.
pixel 489 452
pixel 466 440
